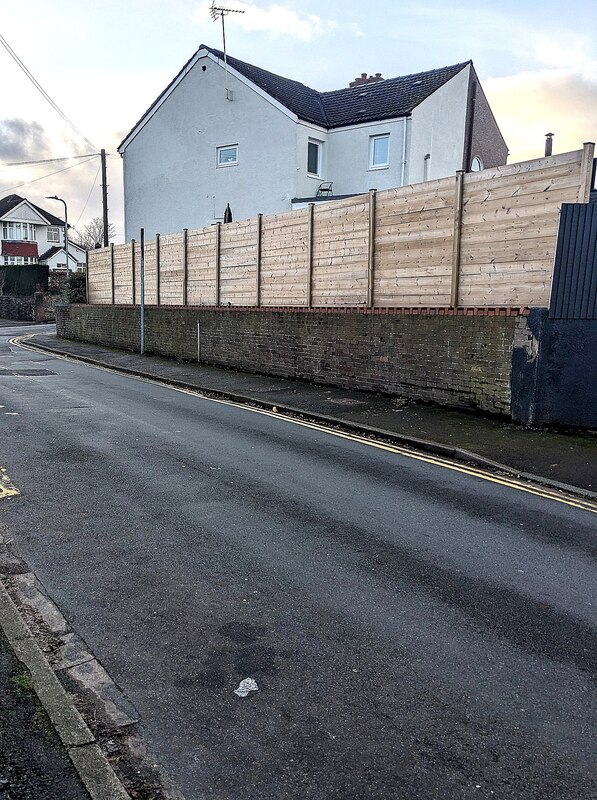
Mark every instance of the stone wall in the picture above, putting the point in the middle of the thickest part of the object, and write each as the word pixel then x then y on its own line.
pixel 38 308
pixel 453 359
pixel 17 308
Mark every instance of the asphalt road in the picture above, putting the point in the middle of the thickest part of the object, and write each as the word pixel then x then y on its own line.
pixel 414 632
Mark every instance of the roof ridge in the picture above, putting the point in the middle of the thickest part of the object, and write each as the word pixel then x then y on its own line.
pixel 374 84
pixel 335 108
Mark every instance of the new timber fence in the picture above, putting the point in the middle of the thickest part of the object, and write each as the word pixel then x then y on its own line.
pixel 477 239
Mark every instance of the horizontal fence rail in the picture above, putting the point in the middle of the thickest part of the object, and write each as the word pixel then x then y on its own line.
pixel 478 239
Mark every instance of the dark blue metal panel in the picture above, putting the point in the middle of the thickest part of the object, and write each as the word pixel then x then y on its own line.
pixel 574 285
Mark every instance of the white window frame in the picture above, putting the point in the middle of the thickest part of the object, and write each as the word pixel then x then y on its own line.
pixel 54 230
pixel 478 166
pixel 18 231
pixel 319 145
pixel 220 150
pixel 372 140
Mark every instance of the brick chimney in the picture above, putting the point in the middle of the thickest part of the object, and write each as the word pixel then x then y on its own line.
pixel 364 79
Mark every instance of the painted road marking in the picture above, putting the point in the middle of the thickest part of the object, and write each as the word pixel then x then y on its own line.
pixel 7 489
pixel 438 461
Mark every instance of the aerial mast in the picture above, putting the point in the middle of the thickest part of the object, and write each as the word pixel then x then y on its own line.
pixel 219 11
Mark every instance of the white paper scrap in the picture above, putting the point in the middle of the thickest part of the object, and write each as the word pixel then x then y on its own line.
pixel 247 685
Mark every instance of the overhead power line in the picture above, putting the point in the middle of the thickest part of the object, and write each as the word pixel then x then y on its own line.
pixel 43 92
pixel 44 161
pixel 49 175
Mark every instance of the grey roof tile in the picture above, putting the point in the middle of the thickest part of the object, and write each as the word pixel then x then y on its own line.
pixel 12 201
pixel 393 97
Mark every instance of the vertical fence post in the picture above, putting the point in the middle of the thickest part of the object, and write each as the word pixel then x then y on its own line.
pixel 133 267
pixel 456 237
pixel 157 269
pixel 310 228
pixel 586 172
pixel 112 268
pixel 142 337
pixel 185 265
pixel 87 276
pixel 218 240
pixel 258 263
pixel 371 250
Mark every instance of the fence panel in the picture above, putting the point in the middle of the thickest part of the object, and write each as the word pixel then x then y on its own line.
pixel 171 269
pixel 413 244
pixel 100 277
pixel 123 276
pixel 201 267
pixel 509 230
pixel 482 239
pixel 284 259
pixel 238 263
pixel 340 252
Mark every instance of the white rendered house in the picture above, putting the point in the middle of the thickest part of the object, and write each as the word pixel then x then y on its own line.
pixel 31 235
pixel 262 143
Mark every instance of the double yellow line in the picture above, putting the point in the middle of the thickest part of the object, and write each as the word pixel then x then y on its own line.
pixel 438 461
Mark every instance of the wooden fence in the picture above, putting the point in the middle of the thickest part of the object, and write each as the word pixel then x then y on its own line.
pixel 477 239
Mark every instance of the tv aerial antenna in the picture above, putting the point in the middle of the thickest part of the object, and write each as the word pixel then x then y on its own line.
pixel 220 11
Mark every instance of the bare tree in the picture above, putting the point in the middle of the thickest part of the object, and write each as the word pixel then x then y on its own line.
pixel 93 234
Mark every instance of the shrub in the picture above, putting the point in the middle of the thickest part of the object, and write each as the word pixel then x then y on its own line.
pixel 77 289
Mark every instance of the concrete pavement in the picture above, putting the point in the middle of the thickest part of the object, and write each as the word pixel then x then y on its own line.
pixel 414 631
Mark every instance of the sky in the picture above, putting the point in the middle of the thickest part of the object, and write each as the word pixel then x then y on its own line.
pixel 103 62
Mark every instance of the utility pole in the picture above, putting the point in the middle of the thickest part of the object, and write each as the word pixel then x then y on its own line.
pixel 104 197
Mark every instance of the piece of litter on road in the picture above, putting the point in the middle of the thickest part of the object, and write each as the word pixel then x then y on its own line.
pixel 12 413
pixel 245 686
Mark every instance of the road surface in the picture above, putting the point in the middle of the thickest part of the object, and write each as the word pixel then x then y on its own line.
pixel 414 631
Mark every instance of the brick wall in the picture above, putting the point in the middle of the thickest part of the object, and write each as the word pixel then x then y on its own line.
pixel 461 361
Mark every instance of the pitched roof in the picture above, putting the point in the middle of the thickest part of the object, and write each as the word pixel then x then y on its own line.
pixel 296 97
pixel 50 252
pixel 13 200
pixel 393 97
pixel 57 248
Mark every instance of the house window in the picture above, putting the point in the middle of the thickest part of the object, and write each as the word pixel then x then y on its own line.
pixel 53 235
pixel 476 164
pixel 313 157
pixel 379 151
pixel 17 230
pixel 227 155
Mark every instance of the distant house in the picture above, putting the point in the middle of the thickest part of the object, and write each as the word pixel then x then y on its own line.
pixel 31 235
pixel 263 143
pixel 55 258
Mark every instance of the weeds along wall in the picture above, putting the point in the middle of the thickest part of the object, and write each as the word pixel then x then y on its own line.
pixel 482 239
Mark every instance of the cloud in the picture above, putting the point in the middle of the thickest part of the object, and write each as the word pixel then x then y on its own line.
pixel 275 19
pixel 572 53
pixel 530 104
pixel 22 141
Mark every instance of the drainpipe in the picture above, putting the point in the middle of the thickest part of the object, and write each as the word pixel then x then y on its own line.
pixel 470 122
pixel 403 171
